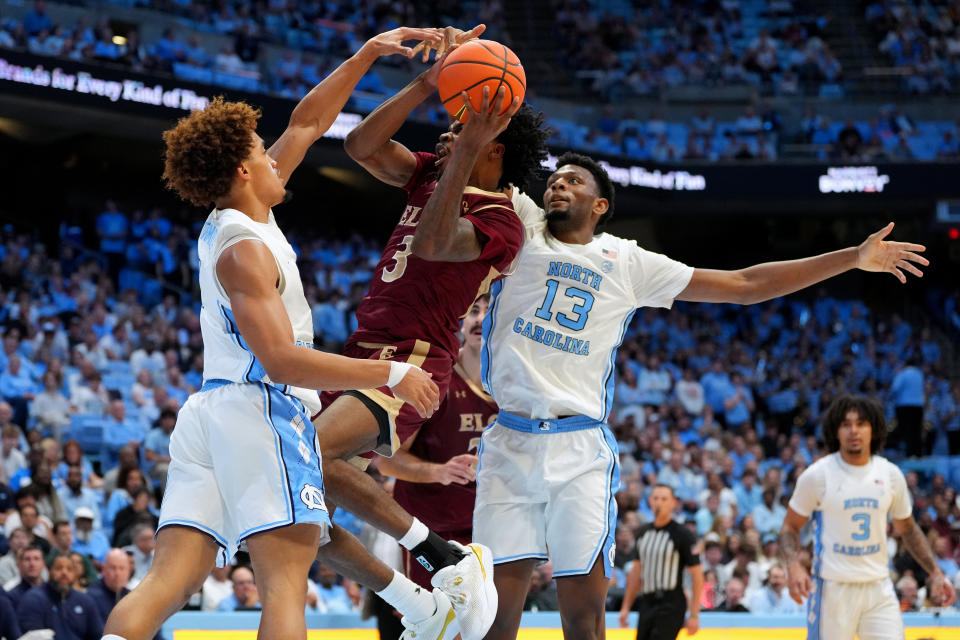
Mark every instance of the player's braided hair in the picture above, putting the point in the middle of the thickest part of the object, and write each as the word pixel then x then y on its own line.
pixel 205 148
pixel 867 408
pixel 525 140
pixel 604 184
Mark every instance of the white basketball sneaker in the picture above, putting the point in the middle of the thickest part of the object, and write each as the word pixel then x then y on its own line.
pixel 442 625
pixel 469 586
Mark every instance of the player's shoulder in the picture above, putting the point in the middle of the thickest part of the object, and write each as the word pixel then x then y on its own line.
pixel 821 468
pixel 889 469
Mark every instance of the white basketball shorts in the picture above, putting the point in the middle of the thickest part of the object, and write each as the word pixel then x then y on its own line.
pixel 547 487
pixel 842 610
pixel 244 460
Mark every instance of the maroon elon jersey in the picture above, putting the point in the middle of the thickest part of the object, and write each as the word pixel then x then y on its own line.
pixel 454 429
pixel 410 297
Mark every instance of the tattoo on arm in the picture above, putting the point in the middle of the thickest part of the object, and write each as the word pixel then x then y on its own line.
pixel 789 547
pixel 917 546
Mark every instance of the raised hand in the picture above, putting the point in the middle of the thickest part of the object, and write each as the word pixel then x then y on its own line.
pixel 486 124
pixel 419 390
pixel 391 42
pixel 452 38
pixel 877 254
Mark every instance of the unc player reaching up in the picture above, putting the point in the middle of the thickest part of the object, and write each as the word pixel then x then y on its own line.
pixel 245 463
pixel 548 468
pixel 850 494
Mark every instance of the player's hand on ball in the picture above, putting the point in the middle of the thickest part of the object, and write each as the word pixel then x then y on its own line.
pixel 459 469
pixel 877 254
pixel 798 581
pixel 485 125
pixel 419 390
pixel 391 42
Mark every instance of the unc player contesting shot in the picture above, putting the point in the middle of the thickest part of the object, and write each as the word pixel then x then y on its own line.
pixel 849 494
pixel 245 465
pixel 548 468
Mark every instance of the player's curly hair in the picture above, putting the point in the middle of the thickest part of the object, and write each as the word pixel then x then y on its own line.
pixel 867 408
pixel 525 139
pixel 205 148
pixel 604 184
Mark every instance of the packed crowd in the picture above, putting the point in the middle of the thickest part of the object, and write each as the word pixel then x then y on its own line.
pixel 644 50
pixel 922 38
pixel 101 346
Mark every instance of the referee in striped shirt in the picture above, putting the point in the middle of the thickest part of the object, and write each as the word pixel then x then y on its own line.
pixel 664 549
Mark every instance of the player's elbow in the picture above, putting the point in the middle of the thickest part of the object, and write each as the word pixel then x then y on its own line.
pixel 353 145
pixel 279 366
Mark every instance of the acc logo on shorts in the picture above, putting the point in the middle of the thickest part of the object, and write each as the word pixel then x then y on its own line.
pixel 312 497
pixel 613 552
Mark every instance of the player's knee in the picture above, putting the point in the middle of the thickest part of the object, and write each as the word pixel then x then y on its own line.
pixel 584 622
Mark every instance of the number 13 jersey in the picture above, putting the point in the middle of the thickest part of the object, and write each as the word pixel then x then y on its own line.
pixel 554 325
pixel 849 505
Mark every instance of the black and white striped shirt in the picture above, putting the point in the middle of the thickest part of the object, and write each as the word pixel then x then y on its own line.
pixel 664 553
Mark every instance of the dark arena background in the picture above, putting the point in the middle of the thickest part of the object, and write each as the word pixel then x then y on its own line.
pixel 736 132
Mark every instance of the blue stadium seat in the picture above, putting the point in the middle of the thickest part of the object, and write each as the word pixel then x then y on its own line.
pixel 121 367
pixel 87 429
pixel 119 382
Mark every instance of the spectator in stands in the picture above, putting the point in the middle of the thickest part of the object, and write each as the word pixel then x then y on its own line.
pixel 542 595
pixel 945 560
pixel 773 597
pixel 948 148
pixel 115 574
pixel 56 605
pixel 216 587
pixel 333 597
pixel 88 541
pixel 244 596
pixel 51 408
pixel 37 20
pixel 31 573
pixel 907 397
pixel 48 500
pixel 733 595
pixel 909 593
pixel 18 539
pixel 74 495
pixel 91 398
pixel 138 512
pixel 141 550
pixel 157 447
pixel 12 459
pixel 62 545
pixel 118 430
pixel 18 387
pixel 73 456
pixel 30 519
pixel 115 478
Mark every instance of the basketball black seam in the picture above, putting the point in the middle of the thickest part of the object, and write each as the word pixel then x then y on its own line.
pixel 475 84
pixel 504 74
pixel 494 53
pixel 487 64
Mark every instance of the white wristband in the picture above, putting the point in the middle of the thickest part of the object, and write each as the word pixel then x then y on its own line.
pixel 397 371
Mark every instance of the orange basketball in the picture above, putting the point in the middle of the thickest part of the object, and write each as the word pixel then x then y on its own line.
pixel 475 65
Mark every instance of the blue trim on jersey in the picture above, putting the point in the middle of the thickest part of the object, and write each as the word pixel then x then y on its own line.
pixel 609 381
pixel 486 329
pixel 607 539
pixel 817 543
pixel 222 558
pixel 814 610
pixel 268 416
pixel 299 460
pixel 476 493
pixel 215 383
pixel 522 556
pixel 546 425
pixel 255 371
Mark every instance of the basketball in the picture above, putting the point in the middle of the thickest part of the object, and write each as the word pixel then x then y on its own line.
pixel 475 65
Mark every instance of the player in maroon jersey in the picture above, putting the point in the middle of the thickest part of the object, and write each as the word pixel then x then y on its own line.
pixel 436 466
pixel 431 271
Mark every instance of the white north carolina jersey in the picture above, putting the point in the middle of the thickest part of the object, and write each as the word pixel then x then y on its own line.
pixel 554 325
pixel 226 355
pixel 849 505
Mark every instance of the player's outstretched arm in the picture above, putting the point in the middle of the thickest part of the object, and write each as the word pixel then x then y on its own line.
pixel 917 545
pixel 634 582
pixel 442 234
pixel 773 279
pixel 317 110
pixel 371 143
pixel 798 580
pixel 249 276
